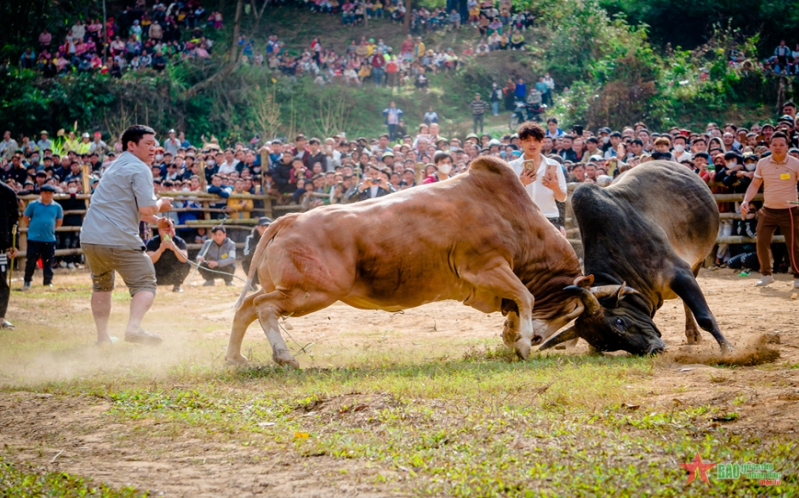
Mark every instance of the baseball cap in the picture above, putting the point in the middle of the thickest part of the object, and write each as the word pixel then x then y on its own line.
pixel 264 221
pixel 48 188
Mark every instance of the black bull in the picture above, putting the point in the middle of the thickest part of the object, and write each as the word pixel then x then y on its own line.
pixel 645 238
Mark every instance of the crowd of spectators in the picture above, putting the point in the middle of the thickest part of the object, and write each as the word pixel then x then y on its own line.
pixel 135 39
pixel 312 172
pixel 150 38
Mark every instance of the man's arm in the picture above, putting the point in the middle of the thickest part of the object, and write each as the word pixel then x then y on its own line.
pixel 751 192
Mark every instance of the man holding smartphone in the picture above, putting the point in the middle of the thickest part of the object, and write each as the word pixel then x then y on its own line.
pixel 543 178
pixel 373 185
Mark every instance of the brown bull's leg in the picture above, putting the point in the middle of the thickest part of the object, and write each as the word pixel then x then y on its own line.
pixel 503 283
pixel 511 331
pixel 245 315
pixel 297 302
pixel 691 329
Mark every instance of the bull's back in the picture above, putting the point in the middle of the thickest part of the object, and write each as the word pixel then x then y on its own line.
pixel 393 252
pixel 660 201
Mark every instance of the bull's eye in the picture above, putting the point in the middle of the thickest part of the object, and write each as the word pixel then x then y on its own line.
pixel 620 323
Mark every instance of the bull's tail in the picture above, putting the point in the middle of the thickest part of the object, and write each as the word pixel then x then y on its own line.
pixel 265 240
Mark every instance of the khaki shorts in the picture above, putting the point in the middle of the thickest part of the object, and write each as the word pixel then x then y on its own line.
pixel 133 265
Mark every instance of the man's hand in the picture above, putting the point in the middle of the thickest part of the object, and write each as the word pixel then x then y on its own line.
pixel 363 186
pixel 212 264
pixel 165 224
pixel 200 259
pixel 549 183
pixel 164 205
pixel 745 207
pixel 166 244
pixel 528 176
pixel 12 253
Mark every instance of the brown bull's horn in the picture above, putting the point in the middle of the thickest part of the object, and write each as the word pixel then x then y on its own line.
pixel 601 291
pixel 558 338
pixel 589 300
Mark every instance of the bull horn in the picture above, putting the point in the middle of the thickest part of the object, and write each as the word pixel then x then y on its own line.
pixel 620 291
pixel 587 297
pixel 566 335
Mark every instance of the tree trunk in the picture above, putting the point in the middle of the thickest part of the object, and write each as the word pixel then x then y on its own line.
pixel 407 18
pixel 234 42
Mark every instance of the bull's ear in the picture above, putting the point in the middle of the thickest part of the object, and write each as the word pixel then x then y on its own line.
pixel 584 281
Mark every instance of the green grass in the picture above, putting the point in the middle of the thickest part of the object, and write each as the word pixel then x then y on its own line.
pixel 478 426
pixel 22 482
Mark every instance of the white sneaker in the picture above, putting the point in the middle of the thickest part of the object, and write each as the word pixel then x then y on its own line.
pixel 796 283
pixel 63 264
pixel 766 280
pixel 71 266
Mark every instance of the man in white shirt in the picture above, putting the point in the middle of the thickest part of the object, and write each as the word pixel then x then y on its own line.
pixel 545 181
pixel 229 166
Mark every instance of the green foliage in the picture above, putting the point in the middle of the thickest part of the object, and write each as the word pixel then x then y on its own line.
pixel 689 23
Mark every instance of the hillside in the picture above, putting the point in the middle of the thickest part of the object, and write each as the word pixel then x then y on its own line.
pixel 615 74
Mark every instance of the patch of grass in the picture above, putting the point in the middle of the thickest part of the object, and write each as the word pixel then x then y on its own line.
pixel 22 482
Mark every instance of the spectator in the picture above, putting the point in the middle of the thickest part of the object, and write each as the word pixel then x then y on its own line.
pixel 782 52
pixel 478 108
pixel 172 144
pixel 239 208
pixel 550 86
pixel 8 147
pixel 169 254
pixel 42 217
pixel 495 97
pixel 430 116
pixel 520 89
pixel 219 260
pixel 10 206
pixel 373 186
pixel 44 141
pixel 392 115
pixel 779 174
pixel 443 163
pixel 544 179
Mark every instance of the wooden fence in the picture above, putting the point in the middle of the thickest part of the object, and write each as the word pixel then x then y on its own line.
pixel 271 210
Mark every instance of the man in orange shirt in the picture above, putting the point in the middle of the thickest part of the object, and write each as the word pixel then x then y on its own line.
pixel 779 174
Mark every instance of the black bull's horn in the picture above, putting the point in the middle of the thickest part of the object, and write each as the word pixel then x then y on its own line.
pixel 590 299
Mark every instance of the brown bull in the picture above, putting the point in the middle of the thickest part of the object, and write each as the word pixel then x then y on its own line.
pixel 477 238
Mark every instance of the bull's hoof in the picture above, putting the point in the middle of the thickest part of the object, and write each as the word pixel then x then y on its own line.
pixel 693 337
pixel 522 348
pixel 286 360
pixel 726 348
pixel 236 361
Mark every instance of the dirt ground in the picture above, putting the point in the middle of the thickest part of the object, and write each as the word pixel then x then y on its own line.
pixel 70 433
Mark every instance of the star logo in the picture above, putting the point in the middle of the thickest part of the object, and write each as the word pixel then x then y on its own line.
pixel 697 466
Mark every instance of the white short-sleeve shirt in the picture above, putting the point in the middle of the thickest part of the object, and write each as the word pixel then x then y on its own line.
pixel 543 197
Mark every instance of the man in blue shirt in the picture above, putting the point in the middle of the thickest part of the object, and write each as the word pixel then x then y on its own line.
pixel 42 217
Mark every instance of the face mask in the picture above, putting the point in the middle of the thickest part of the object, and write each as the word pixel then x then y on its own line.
pixel 605 140
pixel 750 166
pixel 445 168
pixel 210 162
pixel 72 190
pixel 731 164
pixel 185 189
pixel 679 148
pixel 158 157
